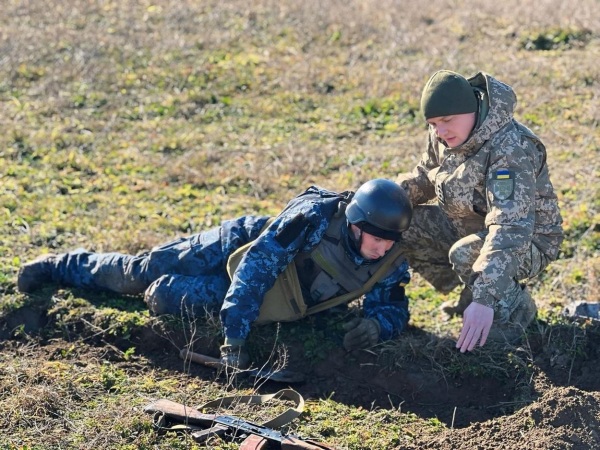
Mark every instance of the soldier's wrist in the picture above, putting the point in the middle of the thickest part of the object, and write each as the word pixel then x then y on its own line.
pixel 488 301
pixel 237 342
pixel 377 325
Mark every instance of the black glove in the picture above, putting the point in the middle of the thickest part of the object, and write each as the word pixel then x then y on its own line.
pixel 234 357
pixel 361 333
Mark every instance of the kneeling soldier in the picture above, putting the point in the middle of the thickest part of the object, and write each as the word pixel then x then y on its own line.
pixel 496 220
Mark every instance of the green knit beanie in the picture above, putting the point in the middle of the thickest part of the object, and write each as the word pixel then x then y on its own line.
pixel 447 93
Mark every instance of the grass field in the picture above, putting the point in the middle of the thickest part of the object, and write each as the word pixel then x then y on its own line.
pixel 127 123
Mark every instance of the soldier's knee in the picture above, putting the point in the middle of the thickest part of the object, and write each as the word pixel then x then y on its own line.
pixel 178 294
pixel 158 297
pixel 459 256
pixel 464 253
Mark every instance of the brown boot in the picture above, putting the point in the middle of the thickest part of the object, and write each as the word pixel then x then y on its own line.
pixel 457 308
pixel 36 273
pixel 523 315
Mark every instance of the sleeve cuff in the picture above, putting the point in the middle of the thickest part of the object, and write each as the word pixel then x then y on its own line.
pixel 376 322
pixel 235 342
pixel 488 301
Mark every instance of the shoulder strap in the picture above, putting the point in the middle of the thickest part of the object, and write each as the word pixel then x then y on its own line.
pixel 355 294
pixel 276 422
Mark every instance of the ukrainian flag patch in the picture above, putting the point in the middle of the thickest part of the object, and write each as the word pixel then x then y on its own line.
pixel 503 184
pixel 502 175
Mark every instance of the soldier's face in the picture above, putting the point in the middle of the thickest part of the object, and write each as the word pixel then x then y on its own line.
pixel 372 247
pixel 453 130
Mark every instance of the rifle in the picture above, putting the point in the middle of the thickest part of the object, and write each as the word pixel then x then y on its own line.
pixel 258 437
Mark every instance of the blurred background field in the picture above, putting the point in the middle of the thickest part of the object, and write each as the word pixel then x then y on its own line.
pixel 126 123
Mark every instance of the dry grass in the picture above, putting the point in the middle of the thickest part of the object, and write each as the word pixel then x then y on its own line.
pixel 125 123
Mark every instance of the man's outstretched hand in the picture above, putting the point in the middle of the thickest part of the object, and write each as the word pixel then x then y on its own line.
pixel 477 321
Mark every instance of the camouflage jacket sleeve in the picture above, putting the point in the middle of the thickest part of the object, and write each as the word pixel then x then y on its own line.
pixel 420 183
pixel 299 227
pixel 510 219
pixel 388 303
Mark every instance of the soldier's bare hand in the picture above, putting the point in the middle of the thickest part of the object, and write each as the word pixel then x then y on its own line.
pixel 477 321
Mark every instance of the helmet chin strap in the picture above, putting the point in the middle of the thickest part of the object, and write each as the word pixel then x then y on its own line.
pixel 357 241
pixel 360 236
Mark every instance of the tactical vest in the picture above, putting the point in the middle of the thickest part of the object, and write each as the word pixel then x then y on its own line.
pixel 328 270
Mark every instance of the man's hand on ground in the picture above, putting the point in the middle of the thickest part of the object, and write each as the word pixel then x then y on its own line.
pixel 477 321
pixel 361 333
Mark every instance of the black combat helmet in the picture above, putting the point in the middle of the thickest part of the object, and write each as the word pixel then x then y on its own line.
pixel 381 208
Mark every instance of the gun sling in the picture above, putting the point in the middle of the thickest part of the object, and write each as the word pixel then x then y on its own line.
pixel 191 417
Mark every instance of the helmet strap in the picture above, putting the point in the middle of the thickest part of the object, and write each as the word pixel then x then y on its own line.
pixel 355 241
pixel 360 236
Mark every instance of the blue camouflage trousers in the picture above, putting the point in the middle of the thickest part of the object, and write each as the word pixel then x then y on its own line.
pixel 188 271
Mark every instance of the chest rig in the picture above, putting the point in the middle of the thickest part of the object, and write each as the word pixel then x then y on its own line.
pixel 328 270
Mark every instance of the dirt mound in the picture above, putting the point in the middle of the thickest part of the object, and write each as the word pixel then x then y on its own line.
pixel 563 418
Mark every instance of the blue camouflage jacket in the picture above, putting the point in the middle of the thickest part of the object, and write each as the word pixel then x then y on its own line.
pixel 266 259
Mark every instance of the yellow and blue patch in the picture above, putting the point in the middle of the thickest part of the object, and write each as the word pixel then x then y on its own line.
pixel 503 175
pixel 503 184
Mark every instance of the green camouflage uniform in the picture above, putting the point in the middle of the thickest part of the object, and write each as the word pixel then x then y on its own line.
pixel 496 220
